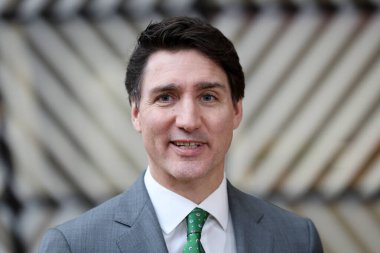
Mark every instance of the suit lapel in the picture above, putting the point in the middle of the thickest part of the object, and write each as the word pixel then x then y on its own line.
pixel 143 232
pixel 250 233
pixel 136 213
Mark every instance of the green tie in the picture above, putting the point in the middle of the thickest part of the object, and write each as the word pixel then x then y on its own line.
pixel 195 221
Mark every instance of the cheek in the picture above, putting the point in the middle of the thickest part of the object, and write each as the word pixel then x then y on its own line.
pixel 221 129
pixel 222 121
pixel 153 126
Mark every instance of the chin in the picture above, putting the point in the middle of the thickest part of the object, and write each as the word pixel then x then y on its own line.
pixel 186 172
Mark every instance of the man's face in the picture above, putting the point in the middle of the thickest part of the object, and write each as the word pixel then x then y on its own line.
pixel 186 117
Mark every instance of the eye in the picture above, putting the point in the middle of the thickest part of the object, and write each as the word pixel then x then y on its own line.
pixel 165 98
pixel 208 98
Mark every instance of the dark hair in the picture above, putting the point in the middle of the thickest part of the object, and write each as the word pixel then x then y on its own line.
pixel 184 33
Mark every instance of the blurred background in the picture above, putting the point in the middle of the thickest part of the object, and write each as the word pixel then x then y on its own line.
pixel 309 141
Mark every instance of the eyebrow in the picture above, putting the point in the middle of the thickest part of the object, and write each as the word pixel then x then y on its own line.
pixel 210 85
pixel 173 87
pixel 164 88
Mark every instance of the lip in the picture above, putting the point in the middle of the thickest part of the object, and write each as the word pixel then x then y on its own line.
pixel 187 148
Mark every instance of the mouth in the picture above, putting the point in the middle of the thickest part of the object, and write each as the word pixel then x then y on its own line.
pixel 187 144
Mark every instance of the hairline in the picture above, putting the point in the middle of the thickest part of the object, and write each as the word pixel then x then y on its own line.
pixel 137 98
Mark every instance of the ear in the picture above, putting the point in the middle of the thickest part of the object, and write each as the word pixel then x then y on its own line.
pixel 238 113
pixel 135 117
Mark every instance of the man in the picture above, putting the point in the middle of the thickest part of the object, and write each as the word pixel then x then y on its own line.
pixel 186 86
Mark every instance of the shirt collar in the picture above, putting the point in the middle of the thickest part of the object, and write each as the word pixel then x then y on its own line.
pixel 171 215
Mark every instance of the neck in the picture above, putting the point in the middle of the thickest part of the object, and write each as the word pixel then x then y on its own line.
pixel 197 191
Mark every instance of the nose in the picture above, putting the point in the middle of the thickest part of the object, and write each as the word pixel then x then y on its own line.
pixel 188 115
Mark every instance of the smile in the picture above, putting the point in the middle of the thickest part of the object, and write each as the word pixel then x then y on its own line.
pixel 187 144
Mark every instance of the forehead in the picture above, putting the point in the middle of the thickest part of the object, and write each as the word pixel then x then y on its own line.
pixel 184 68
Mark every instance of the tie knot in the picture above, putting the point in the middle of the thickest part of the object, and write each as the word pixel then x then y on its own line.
pixel 195 220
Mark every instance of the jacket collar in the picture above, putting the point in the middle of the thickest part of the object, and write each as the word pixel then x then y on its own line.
pixel 251 235
pixel 136 212
pixel 143 233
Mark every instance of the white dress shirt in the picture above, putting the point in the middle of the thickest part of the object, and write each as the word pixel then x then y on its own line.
pixel 172 209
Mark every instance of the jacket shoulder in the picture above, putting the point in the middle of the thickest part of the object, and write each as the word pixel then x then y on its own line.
pixel 262 209
pixel 290 231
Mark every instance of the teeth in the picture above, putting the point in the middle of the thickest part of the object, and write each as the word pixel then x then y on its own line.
pixel 187 144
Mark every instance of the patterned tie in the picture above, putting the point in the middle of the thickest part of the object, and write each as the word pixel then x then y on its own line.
pixel 195 221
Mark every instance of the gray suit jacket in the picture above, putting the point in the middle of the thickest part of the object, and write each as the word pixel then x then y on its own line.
pixel 128 223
